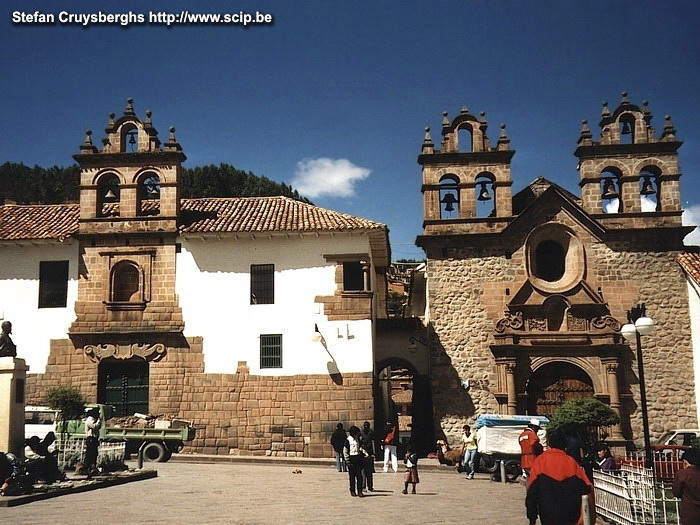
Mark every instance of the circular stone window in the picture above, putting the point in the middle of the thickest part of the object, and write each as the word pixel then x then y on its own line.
pixel 554 257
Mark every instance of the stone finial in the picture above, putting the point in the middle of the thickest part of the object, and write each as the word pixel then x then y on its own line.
pixel 106 145
pixel 503 140
pixel 427 141
pixel 129 111
pixel 482 120
pixel 87 146
pixel 172 143
pixel 110 124
pixel 148 121
pixel 606 109
pixel 625 100
pixel 445 120
pixel 645 107
pixel 586 136
pixel 464 110
pixel 669 132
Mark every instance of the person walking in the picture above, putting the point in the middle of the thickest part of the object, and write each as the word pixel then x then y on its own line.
pixel 469 451
pixel 686 486
pixel 410 476
pixel 530 446
pixel 338 442
pixel 390 439
pixel 367 441
pixel 555 486
pixel 354 458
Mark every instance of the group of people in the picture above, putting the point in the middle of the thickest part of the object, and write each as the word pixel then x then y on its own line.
pixel 356 450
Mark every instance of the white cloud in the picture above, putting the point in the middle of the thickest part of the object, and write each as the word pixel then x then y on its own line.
pixel 330 177
pixel 691 217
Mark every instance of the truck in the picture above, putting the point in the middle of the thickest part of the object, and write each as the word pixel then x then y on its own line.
pixel 159 443
pixel 497 438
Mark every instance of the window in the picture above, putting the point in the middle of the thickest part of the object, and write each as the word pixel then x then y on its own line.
pixel 271 351
pixel 126 283
pixel 353 277
pixel 53 284
pixel 262 284
pixel 449 197
pixel 550 261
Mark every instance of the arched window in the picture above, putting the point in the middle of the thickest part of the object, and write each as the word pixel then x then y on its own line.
pixel 108 194
pixel 148 194
pixel 649 178
pixel 550 261
pixel 449 197
pixel 627 129
pixel 610 191
pixel 129 139
pixel 484 195
pixel 126 283
pixel 465 140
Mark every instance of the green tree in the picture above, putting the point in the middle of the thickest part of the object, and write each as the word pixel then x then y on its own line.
pixel 68 401
pixel 584 417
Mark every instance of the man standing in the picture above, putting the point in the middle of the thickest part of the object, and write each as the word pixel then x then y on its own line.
pixel 390 439
pixel 686 486
pixel 338 442
pixel 555 486
pixel 367 440
pixel 530 446
pixel 92 436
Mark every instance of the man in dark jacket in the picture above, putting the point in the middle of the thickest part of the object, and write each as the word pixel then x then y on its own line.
pixel 555 486
pixel 686 486
pixel 337 442
pixel 367 439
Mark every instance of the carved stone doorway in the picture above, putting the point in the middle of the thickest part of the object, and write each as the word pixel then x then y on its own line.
pixel 553 384
pixel 124 385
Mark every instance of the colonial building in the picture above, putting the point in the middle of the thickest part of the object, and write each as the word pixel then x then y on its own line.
pixel 527 291
pixel 253 317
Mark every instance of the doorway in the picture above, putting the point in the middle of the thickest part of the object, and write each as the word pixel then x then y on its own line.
pixel 553 384
pixel 124 385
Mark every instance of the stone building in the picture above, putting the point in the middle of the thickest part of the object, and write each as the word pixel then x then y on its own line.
pixel 253 317
pixel 527 291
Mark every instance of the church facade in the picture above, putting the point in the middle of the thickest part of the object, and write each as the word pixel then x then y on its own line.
pixel 527 291
pixel 252 317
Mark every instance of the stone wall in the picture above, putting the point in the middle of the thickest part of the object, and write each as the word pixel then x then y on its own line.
pixel 234 413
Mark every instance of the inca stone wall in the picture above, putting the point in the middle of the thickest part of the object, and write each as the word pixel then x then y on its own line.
pixel 234 413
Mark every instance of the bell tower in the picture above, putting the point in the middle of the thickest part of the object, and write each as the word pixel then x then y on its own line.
pixel 129 207
pixel 630 178
pixel 466 184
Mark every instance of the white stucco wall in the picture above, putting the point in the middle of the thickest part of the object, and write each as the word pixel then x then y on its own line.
pixel 34 327
pixel 213 284
pixel 694 309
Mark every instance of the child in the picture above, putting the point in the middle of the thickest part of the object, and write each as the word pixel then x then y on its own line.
pixel 411 474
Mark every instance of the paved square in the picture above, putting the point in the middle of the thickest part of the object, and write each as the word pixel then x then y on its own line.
pixel 241 493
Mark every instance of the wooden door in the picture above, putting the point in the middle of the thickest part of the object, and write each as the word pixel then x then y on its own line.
pixel 553 384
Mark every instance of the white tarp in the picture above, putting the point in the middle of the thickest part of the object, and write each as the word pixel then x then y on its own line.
pixel 502 439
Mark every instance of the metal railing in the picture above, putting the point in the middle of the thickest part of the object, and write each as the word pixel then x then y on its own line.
pixel 629 496
pixel 110 455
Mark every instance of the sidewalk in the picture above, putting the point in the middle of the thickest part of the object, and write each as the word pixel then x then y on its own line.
pixel 228 490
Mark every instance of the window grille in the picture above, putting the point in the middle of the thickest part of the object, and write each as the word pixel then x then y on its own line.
pixel 271 351
pixel 262 284
pixel 53 284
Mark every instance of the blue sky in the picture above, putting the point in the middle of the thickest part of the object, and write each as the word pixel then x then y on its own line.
pixel 345 88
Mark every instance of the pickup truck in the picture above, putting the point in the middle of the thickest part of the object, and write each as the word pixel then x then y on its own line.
pixel 160 443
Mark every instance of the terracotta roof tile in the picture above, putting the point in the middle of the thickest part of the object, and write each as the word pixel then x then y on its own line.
pixel 209 215
pixel 690 262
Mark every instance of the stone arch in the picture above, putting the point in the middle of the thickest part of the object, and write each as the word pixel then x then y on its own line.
pixel 148 186
pixel 611 183
pixel 586 364
pixel 129 137
pixel 108 188
pixel 126 283
pixel 485 194
pixel 650 187
pixel 554 382
pixel 449 196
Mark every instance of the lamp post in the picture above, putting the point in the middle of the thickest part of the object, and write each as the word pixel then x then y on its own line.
pixel 638 325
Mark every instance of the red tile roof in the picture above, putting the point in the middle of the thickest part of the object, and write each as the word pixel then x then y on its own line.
pixel 208 215
pixel 690 262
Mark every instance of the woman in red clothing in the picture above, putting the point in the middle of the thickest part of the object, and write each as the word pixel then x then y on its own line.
pixel 686 486
pixel 530 446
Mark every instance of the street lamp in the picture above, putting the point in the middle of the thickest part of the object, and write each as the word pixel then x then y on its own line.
pixel 638 325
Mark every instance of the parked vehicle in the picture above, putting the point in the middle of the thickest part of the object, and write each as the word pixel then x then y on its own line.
pixel 160 443
pixel 497 440
pixel 681 436
pixel 38 421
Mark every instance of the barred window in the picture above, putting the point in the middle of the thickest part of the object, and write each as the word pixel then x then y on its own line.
pixel 262 284
pixel 353 278
pixel 53 284
pixel 271 351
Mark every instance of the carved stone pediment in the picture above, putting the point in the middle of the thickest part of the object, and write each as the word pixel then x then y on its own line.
pixel 147 351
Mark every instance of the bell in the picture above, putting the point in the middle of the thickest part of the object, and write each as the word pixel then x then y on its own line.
pixel 626 129
pixel 647 187
pixel 609 191
pixel 110 196
pixel 449 200
pixel 484 194
pixel 132 139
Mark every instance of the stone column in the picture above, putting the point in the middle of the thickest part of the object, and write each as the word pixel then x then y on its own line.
pixel 13 373
pixel 510 385
pixel 611 371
